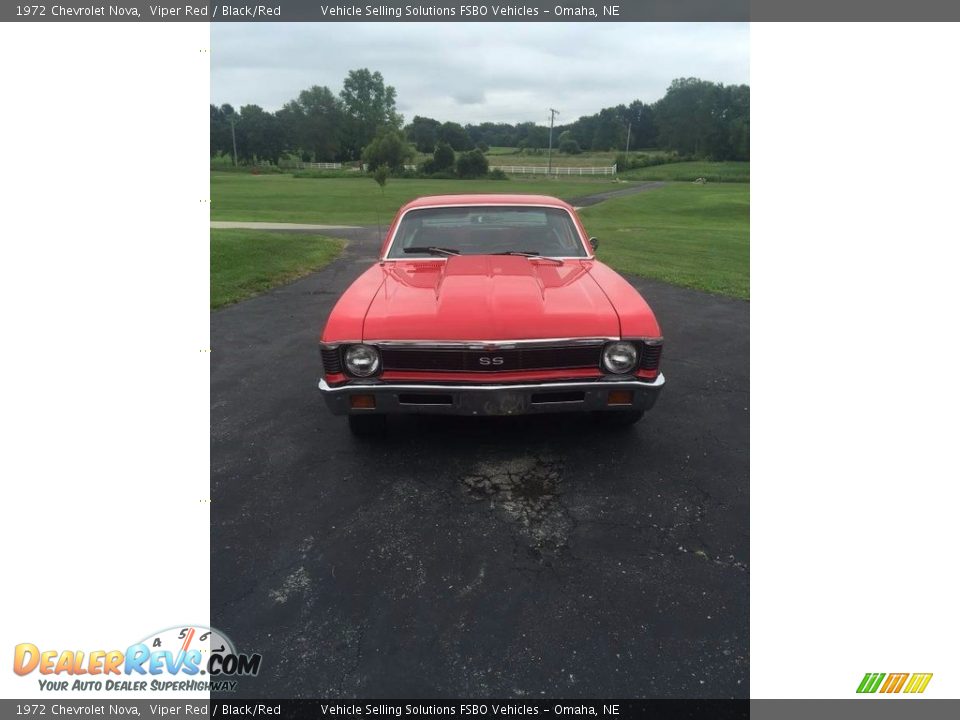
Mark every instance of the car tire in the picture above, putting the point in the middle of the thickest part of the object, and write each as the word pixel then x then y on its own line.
pixel 367 425
pixel 619 418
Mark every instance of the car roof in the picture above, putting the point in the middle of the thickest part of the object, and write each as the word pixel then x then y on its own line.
pixel 490 199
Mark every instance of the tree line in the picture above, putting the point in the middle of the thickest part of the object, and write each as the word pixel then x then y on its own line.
pixel 695 118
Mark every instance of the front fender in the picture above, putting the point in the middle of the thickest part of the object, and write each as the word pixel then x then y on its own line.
pixel 346 319
pixel 637 319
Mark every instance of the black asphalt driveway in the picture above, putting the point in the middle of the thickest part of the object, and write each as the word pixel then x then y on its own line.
pixel 631 189
pixel 535 557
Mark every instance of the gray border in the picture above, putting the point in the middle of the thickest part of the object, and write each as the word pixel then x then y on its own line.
pixel 530 11
pixel 432 11
pixel 872 708
pixel 889 707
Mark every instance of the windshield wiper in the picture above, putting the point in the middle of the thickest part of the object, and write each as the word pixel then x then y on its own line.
pixel 530 254
pixel 432 250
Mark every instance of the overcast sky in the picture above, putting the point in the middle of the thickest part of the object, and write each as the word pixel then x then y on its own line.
pixel 476 72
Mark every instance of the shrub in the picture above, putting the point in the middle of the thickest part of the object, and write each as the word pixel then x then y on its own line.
pixel 380 176
pixel 472 164
pixel 390 149
pixel 221 161
pixel 498 174
pixel 642 160
pixel 447 175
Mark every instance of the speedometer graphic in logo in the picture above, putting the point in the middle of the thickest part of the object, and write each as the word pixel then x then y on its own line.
pixel 198 648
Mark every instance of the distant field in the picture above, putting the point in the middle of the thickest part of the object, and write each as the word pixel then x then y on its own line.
pixel 510 156
pixel 357 200
pixel 728 172
pixel 247 262
pixel 497 150
pixel 692 235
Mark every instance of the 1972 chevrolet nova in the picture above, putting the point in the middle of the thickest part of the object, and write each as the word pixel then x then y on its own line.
pixel 489 305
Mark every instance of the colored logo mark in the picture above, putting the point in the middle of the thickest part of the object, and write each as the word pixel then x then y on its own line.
pixel 894 682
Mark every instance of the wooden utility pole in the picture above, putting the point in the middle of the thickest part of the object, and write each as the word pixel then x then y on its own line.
pixel 550 144
pixel 233 132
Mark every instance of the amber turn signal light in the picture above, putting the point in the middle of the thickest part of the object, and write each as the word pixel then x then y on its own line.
pixel 620 397
pixel 363 402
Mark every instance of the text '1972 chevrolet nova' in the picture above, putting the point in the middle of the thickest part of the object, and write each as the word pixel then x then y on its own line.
pixel 489 305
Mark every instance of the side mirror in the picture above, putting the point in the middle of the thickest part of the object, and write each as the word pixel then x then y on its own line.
pixel 594 243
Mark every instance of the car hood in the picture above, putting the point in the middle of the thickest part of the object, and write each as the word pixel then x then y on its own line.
pixel 484 297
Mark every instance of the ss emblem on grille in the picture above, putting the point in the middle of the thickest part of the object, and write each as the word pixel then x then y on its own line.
pixel 491 361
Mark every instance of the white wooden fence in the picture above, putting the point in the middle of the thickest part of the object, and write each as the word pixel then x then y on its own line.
pixel 318 166
pixel 509 169
pixel 544 170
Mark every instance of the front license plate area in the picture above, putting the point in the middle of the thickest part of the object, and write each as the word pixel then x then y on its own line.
pixel 503 404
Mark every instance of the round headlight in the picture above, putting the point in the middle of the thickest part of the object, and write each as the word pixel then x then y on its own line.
pixel 361 360
pixel 619 357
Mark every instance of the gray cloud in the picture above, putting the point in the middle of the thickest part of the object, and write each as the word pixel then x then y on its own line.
pixel 469 96
pixel 476 72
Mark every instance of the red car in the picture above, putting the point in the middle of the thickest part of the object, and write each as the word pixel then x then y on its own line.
pixel 489 305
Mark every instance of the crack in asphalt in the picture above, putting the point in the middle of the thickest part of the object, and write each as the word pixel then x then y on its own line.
pixel 527 490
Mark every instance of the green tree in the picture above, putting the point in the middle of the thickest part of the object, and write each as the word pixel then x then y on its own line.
pixel 582 130
pixel 312 124
pixel 370 107
pixel 737 122
pixel 533 136
pixel 493 134
pixel 455 136
pixel 423 132
pixel 685 116
pixel 705 119
pixel 221 138
pixel 568 144
pixel 389 149
pixel 643 126
pixel 610 132
pixel 260 135
pixel 443 158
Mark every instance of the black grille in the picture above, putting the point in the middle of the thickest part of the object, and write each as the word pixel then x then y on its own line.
pixel 455 360
pixel 650 356
pixel 330 357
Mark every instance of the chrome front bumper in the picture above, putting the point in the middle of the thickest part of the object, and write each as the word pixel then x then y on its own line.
pixel 517 399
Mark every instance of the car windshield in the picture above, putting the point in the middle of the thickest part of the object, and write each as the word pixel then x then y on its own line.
pixel 486 230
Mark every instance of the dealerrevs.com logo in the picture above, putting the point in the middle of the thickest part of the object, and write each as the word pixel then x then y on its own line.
pixel 911 683
pixel 183 659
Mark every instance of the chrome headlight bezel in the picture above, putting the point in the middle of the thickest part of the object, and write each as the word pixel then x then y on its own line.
pixel 361 351
pixel 626 351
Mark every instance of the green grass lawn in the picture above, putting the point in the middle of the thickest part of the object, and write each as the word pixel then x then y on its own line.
pixel 730 171
pixel 247 262
pixel 691 235
pixel 696 236
pixel 357 200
